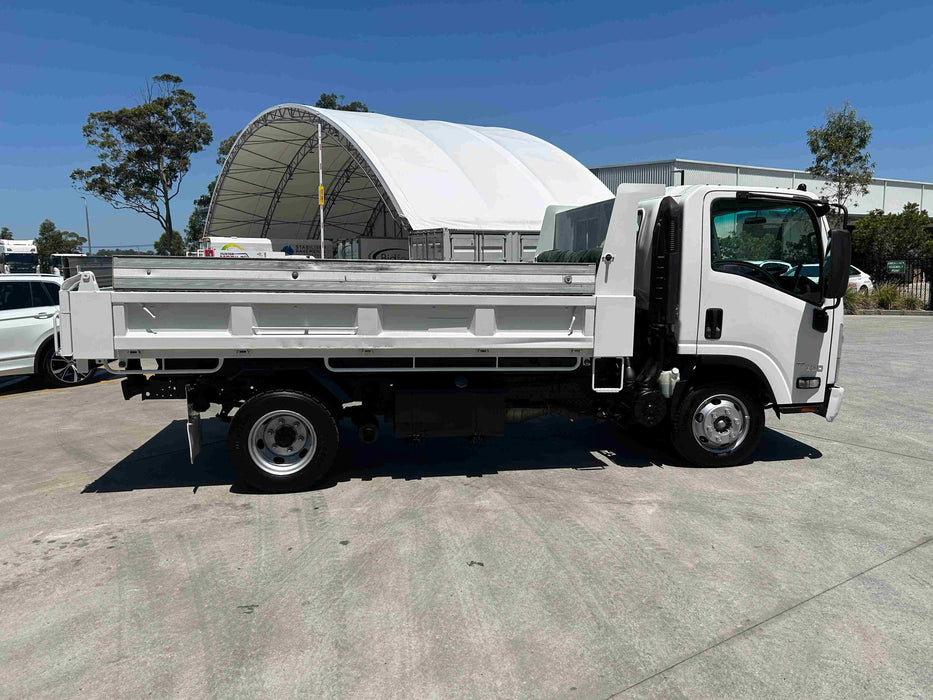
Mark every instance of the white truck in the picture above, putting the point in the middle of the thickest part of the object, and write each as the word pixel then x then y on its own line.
pixel 666 325
pixel 20 256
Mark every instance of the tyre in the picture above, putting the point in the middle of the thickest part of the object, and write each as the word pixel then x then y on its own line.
pixel 863 289
pixel 58 371
pixel 282 441
pixel 718 425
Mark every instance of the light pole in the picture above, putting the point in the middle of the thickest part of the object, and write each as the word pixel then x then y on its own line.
pixel 87 224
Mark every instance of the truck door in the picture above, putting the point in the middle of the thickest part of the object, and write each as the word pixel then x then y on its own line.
pixel 750 309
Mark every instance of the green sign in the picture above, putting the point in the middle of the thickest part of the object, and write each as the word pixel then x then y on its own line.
pixel 897 267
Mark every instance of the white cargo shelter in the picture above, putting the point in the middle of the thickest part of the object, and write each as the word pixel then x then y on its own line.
pixel 387 177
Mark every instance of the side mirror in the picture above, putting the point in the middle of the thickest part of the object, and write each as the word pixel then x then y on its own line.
pixel 837 264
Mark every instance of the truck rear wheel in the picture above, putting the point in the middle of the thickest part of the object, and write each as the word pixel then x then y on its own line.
pixel 282 441
pixel 718 425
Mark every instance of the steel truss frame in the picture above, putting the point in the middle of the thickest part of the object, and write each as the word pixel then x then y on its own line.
pixel 277 119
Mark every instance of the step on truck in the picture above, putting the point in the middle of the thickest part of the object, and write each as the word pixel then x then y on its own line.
pixel 666 323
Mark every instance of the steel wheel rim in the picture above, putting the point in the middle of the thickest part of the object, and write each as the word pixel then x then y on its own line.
pixel 282 442
pixel 721 424
pixel 65 370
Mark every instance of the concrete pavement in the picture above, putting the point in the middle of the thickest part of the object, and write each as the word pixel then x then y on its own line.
pixel 561 561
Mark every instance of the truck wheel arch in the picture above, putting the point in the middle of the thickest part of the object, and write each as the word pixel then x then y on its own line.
pixel 732 369
pixel 310 381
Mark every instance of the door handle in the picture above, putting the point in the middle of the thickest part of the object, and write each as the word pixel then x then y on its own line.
pixel 713 329
pixel 43 315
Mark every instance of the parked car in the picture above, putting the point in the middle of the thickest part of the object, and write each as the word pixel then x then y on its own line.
pixel 860 281
pixel 28 304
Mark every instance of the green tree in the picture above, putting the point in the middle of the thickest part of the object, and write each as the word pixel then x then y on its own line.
pixel 111 252
pixel 51 240
pixel 225 146
pixel 195 227
pixel 331 100
pixel 169 243
pixel 6 234
pixel 839 156
pixel 145 151
pixel 901 235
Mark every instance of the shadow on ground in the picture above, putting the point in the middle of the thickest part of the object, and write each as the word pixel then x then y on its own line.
pixel 548 443
pixel 25 383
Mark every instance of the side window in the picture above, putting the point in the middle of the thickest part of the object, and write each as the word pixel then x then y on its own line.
pixel 774 243
pixel 853 272
pixel 43 295
pixel 14 295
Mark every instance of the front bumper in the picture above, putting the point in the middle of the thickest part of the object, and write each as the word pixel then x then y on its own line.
pixel 834 402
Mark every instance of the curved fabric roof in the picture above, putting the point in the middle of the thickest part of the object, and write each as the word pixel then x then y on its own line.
pixel 389 176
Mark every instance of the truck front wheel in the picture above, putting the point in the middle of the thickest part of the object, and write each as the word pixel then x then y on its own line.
pixel 282 441
pixel 718 425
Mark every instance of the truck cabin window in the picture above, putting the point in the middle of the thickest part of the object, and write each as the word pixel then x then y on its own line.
pixel 773 243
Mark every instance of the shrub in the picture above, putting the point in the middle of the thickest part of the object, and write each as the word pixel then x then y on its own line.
pixel 855 301
pixel 910 302
pixel 887 296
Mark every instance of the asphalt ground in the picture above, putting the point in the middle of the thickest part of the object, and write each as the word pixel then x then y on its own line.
pixel 562 561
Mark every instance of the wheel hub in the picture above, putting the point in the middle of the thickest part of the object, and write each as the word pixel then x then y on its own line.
pixel 282 442
pixel 285 436
pixel 721 423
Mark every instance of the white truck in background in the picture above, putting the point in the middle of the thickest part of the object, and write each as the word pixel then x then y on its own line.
pixel 18 257
pixel 234 247
pixel 662 321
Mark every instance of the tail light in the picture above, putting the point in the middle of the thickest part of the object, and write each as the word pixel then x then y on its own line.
pixel 208 252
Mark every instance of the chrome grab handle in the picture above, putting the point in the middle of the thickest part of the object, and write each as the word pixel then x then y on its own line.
pixel 56 328
pixel 44 315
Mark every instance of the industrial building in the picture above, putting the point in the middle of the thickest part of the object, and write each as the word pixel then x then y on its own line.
pixel 886 194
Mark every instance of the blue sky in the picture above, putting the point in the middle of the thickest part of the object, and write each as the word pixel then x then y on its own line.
pixel 609 83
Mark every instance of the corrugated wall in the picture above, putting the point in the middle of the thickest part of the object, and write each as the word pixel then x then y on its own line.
pixel 889 195
pixel 659 173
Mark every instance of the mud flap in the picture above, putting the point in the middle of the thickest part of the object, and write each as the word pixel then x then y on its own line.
pixel 194 433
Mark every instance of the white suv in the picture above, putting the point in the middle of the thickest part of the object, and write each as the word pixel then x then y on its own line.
pixel 860 281
pixel 28 304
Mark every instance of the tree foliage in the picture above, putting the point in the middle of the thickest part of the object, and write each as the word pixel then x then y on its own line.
pixel 225 146
pixel 145 151
pixel 839 156
pixel 6 234
pixel 195 228
pixel 198 217
pixel 331 100
pixel 902 235
pixel 51 240
pixel 169 243
pixel 111 252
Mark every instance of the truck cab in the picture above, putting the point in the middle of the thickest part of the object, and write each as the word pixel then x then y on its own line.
pixel 732 310
pixel 18 257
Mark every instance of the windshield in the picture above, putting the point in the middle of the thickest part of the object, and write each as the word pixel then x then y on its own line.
pixel 22 258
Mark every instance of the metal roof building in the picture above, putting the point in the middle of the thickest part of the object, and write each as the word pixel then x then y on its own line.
pixel 885 194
